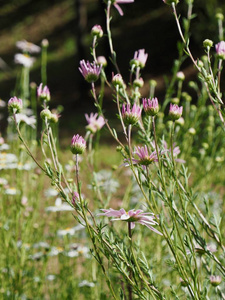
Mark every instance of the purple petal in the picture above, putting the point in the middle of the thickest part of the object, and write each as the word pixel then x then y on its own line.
pixel 118 9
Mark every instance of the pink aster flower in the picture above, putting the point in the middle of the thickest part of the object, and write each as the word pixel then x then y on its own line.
pixel 220 49
pixel 131 115
pixel 145 158
pixel 132 216
pixel 78 144
pixel 140 58
pixel 90 71
pixel 95 123
pixel 175 111
pixel 43 93
pixel 151 106
pixel 116 2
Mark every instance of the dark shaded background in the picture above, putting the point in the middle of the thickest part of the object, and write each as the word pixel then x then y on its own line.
pixel 66 24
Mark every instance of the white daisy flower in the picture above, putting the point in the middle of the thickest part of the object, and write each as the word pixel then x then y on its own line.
pixel 50 277
pixel 86 283
pixel 51 192
pixel 59 206
pixel 24 59
pixel 28 47
pixel 11 191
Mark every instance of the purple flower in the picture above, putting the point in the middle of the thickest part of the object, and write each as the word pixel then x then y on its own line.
pixel 132 216
pixel 175 111
pixel 145 158
pixel 78 144
pixel 151 106
pixel 116 2
pixel 220 49
pixel 131 116
pixel 140 58
pixel 90 71
pixel 15 105
pixel 43 93
pixel 94 123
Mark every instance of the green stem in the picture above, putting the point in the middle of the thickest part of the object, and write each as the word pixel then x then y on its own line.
pixel 90 233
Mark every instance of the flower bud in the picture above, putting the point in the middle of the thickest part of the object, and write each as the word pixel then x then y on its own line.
pixel 78 144
pixel 43 93
pixel 186 97
pixel 169 123
pixel 219 16
pixel 207 43
pixel 200 63
pixel 117 80
pixel 136 94
pixel 101 60
pixel 192 131
pixel 131 116
pixel 169 2
pixel 46 114
pixel 220 49
pixel 180 76
pixel 138 82
pixel 153 83
pixel 175 100
pixel 151 106
pixel 54 118
pixel 205 145
pixel 219 159
pixel 215 280
pixel 175 111
pixel 75 198
pixel 97 31
pixel 193 108
pixel 45 43
pixel 140 58
pixel 15 105
pixel 180 121
pixel 193 85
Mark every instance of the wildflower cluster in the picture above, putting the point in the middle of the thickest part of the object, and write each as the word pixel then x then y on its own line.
pixel 147 182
